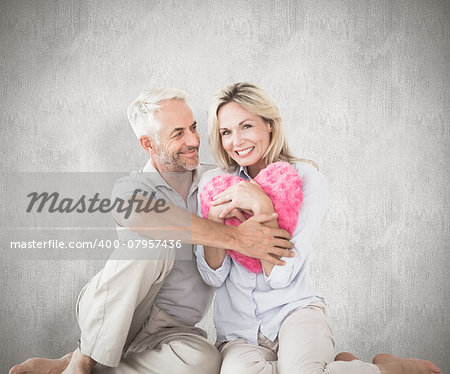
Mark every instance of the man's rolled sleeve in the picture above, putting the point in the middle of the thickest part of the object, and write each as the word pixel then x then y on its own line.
pixel 214 278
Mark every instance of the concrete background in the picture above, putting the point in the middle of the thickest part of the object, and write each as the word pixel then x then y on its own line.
pixel 363 89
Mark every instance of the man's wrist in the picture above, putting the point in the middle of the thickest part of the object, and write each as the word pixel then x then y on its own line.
pixel 231 235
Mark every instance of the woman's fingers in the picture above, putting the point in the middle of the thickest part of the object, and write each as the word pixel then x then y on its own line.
pixel 221 198
pixel 265 218
pixel 227 195
pixel 236 213
pixel 227 210
pixel 224 195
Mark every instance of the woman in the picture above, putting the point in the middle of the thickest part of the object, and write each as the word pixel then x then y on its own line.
pixel 270 321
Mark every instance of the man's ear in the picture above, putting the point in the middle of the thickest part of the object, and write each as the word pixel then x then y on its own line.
pixel 147 143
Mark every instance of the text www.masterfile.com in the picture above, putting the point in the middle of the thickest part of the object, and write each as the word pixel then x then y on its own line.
pixel 96 243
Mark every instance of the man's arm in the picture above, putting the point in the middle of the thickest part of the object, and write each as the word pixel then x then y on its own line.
pixel 251 238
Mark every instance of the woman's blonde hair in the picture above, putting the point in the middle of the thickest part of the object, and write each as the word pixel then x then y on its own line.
pixel 256 101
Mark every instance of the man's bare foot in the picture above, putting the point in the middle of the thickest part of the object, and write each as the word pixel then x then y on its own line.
pixel 389 364
pixel 79 364
pixel 345 356
pixel 42 365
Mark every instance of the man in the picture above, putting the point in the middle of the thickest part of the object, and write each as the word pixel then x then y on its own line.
pixel 138 315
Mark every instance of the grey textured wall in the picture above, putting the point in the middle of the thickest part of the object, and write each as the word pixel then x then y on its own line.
pixel 363 89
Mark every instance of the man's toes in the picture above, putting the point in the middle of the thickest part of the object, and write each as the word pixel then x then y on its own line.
pixel 345 356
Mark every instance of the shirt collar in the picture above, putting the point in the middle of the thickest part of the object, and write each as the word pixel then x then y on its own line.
pixel 153 175
pixel 196 177
pixel 243 172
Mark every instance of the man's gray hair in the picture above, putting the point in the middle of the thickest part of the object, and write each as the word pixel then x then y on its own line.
pixel 141 112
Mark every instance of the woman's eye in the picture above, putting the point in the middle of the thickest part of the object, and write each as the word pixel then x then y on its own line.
pixel 247 126
pixel 224 133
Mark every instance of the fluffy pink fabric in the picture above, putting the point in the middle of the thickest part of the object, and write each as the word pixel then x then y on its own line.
pixel 280 182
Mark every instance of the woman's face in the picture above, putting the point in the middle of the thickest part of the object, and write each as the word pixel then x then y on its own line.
pixel 245 136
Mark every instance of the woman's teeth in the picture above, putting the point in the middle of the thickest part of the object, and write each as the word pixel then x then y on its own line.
pixel 245 151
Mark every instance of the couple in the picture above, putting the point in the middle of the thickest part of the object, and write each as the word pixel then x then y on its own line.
pixel 139 316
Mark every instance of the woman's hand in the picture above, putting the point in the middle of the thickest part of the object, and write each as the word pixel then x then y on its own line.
pixel 215 213
pixel 248 196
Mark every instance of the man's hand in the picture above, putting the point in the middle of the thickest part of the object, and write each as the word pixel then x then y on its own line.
pixel 254 239
pixel 251 238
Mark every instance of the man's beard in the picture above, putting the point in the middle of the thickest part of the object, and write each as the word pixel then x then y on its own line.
pixel 173 162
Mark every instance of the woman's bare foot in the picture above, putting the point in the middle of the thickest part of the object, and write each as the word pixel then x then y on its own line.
pixel 42 365
pixel 345 356
pixel 389 364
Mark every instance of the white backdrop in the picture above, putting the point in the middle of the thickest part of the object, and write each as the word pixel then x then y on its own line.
pixel 363 90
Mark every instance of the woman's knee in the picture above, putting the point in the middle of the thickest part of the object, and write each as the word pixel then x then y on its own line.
pixel 290 366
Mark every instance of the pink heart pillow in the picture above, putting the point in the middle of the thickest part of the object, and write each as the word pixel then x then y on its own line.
pixel 280 182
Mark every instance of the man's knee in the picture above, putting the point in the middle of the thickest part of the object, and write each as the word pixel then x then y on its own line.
pixel 183 354
pixel 230 366
pixel 196 354
pixel 249 367
pixel 247 361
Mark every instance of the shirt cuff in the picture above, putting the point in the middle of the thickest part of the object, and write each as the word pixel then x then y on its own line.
pixel 220 273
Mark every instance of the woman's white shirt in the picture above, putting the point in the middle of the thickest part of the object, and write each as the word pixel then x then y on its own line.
pixel 245 302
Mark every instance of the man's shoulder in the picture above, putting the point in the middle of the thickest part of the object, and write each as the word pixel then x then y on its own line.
pixel 135 180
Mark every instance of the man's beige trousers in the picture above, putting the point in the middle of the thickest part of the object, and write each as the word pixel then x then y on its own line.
pixel 304 345
pixel 122 329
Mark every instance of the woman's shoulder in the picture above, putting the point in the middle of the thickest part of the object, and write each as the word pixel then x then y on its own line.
pixel 213 172
pixel 305 165
pixel 310 174
pixel 210 174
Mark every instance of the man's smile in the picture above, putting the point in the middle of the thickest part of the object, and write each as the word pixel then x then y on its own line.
pixel 189 152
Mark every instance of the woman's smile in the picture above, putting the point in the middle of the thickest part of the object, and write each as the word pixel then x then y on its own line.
pixel 244 152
